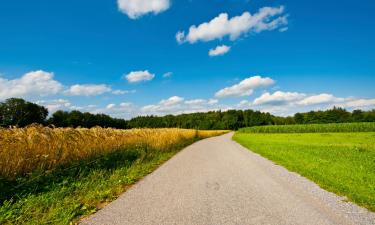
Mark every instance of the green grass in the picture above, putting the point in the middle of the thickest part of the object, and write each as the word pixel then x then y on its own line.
pixel 72 192
pixel 343 163
pixel 312 128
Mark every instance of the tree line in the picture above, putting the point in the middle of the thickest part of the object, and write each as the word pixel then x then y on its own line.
pixel 20 113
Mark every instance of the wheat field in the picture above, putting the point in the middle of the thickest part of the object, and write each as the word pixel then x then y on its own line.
pixel 24 150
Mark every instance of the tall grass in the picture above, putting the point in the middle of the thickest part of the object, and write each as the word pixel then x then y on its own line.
pixel 24 150
pixel 312 128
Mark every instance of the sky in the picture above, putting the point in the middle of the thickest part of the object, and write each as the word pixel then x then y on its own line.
pixel 154 57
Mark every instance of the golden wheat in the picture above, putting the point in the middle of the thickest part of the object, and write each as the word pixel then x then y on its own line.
pixel 23 150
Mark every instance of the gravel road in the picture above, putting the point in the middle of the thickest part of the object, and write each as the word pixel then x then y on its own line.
pixel 216 181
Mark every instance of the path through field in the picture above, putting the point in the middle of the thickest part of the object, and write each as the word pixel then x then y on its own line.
pixel 217 181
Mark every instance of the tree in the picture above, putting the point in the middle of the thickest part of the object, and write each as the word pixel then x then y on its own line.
pixel 358 116
pixel 299 118
pixel 18 112
pixel 59 119
pixel 337 115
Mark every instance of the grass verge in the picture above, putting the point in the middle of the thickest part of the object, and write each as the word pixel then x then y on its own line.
pixel 343 163
pixel 76 190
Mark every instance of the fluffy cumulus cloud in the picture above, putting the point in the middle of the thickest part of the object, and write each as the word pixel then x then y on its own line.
pixel 246 87
pixel 177 105
pixel 88 89
pixel 278 98
pixel 267 18
pixel 137 8
pixel 138 76
pixel 219 50
pixel 171 101
pixel 320 99
pixel 35 83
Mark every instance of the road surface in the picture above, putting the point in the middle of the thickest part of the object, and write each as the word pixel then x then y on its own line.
pixel 217 181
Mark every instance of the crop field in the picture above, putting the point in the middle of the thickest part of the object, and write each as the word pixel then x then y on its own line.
pixel 312 128
pixel 340 162
pixel 57 175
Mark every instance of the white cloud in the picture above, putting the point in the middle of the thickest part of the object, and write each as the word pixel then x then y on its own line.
pixel 278 98
pixel 167 74
pixel 219 50
pixel 246 87
pixel 138 76
pixel 126 104
pixel 55 105
pixel 137 8
pixel 244 104
pixel 34 83
pixel 177 105
pixel 213 101
pixel 93 89
pixel 195 102
pixel 171 101
pixel 88 89
pixel 40 83
pixel 288 103
pixel 267 18
pixel 110 106
pixel 123 110
pixel 295 99
pixel 122 92
pixel 320 99
pixel 352 103
pixel 119 92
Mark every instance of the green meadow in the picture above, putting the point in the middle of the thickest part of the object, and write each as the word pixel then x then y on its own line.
pixel 341 162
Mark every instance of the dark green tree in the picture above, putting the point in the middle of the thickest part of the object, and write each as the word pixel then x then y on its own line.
pixel 299 118
pixel 18 112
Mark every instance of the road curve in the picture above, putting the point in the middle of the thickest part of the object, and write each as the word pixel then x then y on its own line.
pixel 216 181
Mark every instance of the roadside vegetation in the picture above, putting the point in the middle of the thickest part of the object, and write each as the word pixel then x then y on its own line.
pixel 342 162
pixel 58 175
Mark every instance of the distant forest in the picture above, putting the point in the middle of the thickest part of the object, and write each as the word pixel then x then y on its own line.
pixel 20 113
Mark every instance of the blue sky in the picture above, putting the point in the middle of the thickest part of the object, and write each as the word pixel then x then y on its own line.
pixel 279 56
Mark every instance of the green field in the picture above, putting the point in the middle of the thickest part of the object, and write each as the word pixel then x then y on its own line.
pixel 343 163
pixel 312 128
